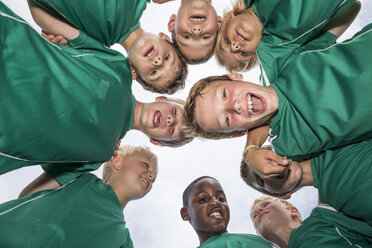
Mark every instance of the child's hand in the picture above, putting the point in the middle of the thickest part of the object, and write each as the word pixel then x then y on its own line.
pixel 54 38
pixel 265 163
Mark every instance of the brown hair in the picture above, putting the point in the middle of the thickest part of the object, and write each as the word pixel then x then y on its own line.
pixel 238 8
pixel 191 124
pixel 173 85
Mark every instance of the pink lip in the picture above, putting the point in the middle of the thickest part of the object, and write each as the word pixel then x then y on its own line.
pixel 240 39
pixel 256 100
pixel 149 51
pixel 204 18
pixel 156 119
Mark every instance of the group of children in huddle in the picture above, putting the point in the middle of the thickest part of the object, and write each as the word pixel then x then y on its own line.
pixel 313 107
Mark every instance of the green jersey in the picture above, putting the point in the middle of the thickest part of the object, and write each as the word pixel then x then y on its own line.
pixel 329 229
pixel 343 177
pixel 325 106
pixel 59 104
pixel 287 26
pixel 83 213
pixel 108 21
pixel 233 240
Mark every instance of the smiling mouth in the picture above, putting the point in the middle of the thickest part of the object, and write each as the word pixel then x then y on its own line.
pixel 157 119
pixel 241 37
pixel 149 52
pixel 197 19
pixel 216 214
pixel 256 104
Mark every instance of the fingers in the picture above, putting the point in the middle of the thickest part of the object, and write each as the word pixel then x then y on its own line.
pixel 277 159
pixel 54 38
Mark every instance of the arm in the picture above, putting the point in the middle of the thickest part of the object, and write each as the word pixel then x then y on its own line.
pixel 43 182
pixel 340 23
pixel 263 162
pixel 52 24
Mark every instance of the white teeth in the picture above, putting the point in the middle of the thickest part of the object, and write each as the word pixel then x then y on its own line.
pixel 150 53
pixel 241 37
pixel 197 18
pixel 215 214
pixel 250 105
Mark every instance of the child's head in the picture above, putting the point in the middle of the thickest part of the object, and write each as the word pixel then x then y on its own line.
pixel 194 30
pixel 270 214
pixel 157 64
pixel 133 169
pixel 240 34
pixel 161 121
pixel 224 106
pixel 282 185
pixel 205 207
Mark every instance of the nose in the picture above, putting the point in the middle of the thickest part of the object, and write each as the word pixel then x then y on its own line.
pixel 234 46
pixel 150 176
pixel 196 30
pixel 157 61
pixel 215 202
pixel 170 120
pixel 235 107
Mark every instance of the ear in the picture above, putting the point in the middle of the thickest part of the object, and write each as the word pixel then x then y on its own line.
pixel 219 22
pixel 286 196
pixel 294 212
pixel 155 142
pixel 235 76
pixel 116 159
pixel 160 98
pixel 171 23
pixel 164 36
pixel 134 74
pixel 184 214
pixel 237 134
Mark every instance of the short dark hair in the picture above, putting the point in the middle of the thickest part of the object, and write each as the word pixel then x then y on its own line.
pixel 173 85
pixel 192 61
pixel 186 192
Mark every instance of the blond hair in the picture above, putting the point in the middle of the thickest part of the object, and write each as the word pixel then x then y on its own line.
pixel 238 8
pixel 191 124
pixel 128 151
pixel 285 204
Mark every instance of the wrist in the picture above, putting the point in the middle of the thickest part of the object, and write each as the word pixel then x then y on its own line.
pixel 247 148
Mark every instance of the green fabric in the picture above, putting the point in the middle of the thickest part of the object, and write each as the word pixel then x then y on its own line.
pixel 287 25
pixel 233 240
pixel 324 99
pixel 83 213
pixel 59 104
pixel 108 21
pixel 329 229
pixel 343 177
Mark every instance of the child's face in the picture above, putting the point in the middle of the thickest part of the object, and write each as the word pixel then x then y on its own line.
pixel 139 172
pixel 279 184
pixel 208 209
pixel 239 41
pixel 161 120
pixel 155 59
pixel 195 26
pixel 227 106
pixel 269 216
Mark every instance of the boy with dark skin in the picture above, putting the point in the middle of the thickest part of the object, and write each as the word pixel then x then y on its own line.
pixel 205 207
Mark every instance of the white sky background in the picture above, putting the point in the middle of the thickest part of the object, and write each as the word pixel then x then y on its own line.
pixel 154 221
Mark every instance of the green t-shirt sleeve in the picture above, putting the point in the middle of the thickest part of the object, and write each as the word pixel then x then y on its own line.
pixel 296 21
pixel 64 173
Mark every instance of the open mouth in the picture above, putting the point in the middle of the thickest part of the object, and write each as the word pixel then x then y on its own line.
pixel 241 37
pixel 216 214
pixel 149 52
pixel 256 104
pixel 197 19
pixel 156 119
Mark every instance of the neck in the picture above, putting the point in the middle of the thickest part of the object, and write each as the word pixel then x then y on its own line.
pixel 123 199
pixel 128 42
pixel 137 115
pixel 204 236
pixel 281 235
pixel 307 178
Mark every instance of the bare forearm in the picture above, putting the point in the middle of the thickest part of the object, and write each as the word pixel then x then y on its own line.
pixel 52 24
pixel 339 24
pixel 258 135
pixel 43 182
